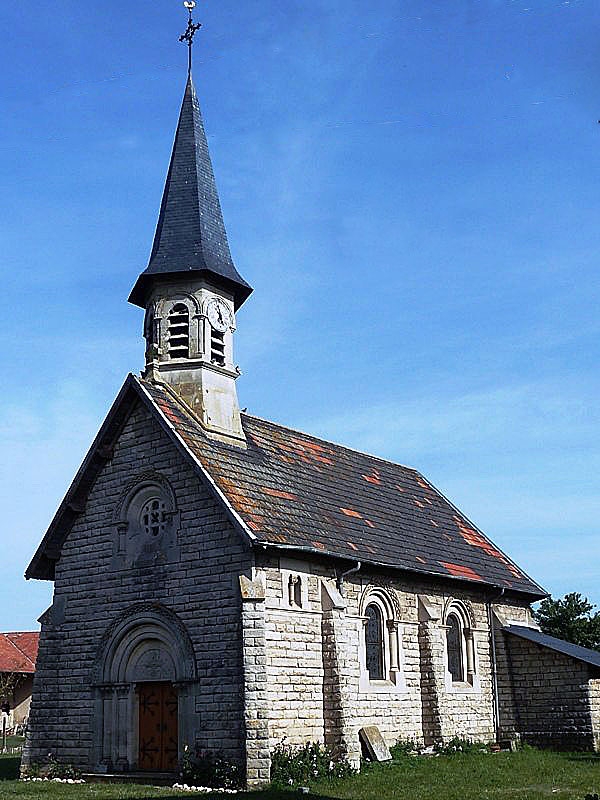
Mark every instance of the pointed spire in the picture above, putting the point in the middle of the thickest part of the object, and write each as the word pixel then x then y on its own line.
pixel 190 234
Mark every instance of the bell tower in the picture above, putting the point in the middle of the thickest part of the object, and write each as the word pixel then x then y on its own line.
pixel 191 289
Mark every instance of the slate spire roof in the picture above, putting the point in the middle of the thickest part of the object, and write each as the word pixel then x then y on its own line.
pixel 190 234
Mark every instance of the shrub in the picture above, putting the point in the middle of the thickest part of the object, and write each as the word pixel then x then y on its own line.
pixel 209 768
pixel 31 771
pixel 594 796
pixel 291 765
pixel 405 747
pixel 50 769
pixel 458 745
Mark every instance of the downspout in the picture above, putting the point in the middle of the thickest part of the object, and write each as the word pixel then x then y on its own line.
pixel 495 698
pixel 340 578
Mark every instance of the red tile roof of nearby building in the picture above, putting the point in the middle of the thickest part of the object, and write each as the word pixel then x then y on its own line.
pixel 18 651
pixel 291 491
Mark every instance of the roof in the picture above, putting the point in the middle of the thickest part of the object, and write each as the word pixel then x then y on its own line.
pixel 190 234
pixel 292 491
pixel 18 652
pixel 584 654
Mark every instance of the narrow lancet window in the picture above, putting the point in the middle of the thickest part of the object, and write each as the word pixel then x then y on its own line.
pixel 179 331
pixel 454 648
pixel 374 642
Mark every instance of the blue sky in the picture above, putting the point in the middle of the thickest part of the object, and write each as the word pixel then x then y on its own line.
pixel 412 189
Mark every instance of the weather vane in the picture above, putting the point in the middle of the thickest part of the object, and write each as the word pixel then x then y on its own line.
pixel 190 32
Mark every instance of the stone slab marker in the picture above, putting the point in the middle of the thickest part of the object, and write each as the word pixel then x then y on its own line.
pixel 376 748
pixel 258 758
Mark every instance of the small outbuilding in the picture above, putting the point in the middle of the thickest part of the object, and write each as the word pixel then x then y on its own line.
pixel 18 652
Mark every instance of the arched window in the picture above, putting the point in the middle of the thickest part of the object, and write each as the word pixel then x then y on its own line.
pixel 374 642
pixel 380 642
pixel 146 522
pixel 178 331
pixel 454 647
pixel 461 667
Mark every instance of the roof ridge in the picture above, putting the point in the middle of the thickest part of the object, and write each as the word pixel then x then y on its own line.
pixel 17 633
pixel 330 442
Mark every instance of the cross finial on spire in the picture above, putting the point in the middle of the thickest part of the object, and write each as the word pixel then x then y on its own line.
pixel 190 32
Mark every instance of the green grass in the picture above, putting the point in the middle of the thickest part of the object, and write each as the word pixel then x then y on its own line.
pixel 14 741
pixel 527 775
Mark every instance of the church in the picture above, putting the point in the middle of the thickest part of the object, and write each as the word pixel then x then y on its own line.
pixel 222 582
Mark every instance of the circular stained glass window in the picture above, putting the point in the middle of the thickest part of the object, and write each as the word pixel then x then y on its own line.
pixel 154 518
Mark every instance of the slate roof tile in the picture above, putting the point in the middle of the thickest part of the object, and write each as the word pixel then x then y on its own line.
pixel 293 489
pixel 584 654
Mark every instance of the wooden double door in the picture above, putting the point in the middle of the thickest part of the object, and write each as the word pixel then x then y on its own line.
pixel 158 725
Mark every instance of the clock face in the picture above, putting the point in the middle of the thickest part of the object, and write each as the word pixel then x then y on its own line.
pixel 218 315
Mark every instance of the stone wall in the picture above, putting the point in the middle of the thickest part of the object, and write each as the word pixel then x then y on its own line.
pixel 551 696
pixel 508 723
pixel 294 663
pixel 543 696
pixel 306 643
pixel 258 761
pixel 196 579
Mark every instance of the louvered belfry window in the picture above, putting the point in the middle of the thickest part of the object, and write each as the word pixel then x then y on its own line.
pixel 179 331
pixel 454 648
pixel 374 642
pixel 217 347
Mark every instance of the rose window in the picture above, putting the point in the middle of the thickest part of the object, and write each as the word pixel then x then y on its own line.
pixel 154 518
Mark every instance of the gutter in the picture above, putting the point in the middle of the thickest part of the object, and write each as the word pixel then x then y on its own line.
pixel 495 698
pixel 351 571
pixel 321 553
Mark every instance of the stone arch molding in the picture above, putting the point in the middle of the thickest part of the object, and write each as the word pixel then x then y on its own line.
pixel 386 596
pixel 147 643
pixel 463 609
pixel 166 303
pixel 133 543
pixel 160 334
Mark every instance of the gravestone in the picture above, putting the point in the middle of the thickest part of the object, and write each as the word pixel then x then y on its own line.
pixel 374 744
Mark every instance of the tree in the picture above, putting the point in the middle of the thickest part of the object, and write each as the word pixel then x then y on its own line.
pixel 571 619
pixel 9 681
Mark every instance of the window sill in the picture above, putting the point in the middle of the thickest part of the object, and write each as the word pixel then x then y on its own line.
pixel 463 687
pixel 368 686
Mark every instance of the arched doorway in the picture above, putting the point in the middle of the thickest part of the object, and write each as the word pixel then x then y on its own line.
pixel 144 676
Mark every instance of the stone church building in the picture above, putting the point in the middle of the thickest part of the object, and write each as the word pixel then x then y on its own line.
pixel 223 582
